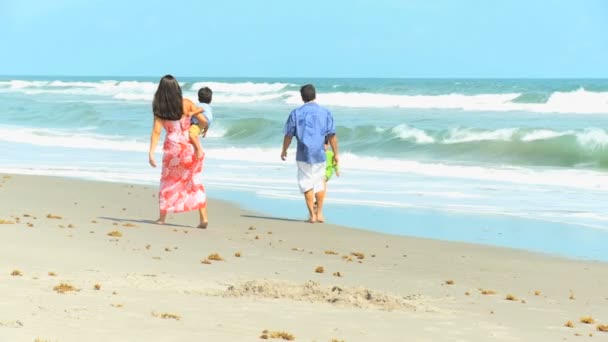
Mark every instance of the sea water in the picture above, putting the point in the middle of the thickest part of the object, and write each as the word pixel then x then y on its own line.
pixel 514 163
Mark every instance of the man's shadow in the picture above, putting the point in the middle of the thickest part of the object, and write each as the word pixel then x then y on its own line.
pixel 272 218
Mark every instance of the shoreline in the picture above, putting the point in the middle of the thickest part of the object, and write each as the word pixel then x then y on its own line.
pixel 432 287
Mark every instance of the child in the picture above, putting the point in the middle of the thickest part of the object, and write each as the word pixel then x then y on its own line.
pixel 330 167
pixel 197 128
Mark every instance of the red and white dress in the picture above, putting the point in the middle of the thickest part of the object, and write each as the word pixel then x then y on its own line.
pixel 181 187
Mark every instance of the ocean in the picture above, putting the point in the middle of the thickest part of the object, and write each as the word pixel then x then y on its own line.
pixel 514 163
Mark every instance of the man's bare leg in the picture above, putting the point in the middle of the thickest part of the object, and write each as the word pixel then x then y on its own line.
pixel 310 204
pixel 320 199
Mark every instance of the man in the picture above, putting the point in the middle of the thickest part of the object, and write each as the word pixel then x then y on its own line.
pixel 310 124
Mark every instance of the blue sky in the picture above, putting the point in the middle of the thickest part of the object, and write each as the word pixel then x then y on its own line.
pixel 322 38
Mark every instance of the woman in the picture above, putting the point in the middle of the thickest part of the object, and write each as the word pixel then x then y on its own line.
pixel 181 188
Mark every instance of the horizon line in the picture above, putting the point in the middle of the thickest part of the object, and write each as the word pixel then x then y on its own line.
pixel 325 77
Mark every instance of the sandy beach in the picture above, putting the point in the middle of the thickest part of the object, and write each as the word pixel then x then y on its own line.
pixel 81 261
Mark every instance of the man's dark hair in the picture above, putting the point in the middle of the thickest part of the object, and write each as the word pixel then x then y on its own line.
pixel 205 95
pixel 308 92
pixel 167 104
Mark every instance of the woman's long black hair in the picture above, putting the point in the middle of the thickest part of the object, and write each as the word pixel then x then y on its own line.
pixel 167 103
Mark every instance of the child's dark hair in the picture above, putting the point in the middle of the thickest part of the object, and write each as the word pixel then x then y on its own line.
pixel 326 139
pixel 205 95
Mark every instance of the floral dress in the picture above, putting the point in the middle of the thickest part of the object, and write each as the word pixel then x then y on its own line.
pixel 181 187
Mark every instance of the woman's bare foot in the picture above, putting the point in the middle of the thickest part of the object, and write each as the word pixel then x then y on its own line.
pixel 312 219
pixel 320 218
pixel 203 225
pixel 159 221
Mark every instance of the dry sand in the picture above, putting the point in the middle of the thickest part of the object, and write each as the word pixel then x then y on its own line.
pixel 64 277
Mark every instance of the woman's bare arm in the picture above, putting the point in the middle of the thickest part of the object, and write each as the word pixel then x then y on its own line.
pixel 157 127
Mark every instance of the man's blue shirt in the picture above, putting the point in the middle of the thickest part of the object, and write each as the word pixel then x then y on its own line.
pixel 310 124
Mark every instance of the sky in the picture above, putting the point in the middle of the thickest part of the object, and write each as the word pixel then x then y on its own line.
pixel 314 38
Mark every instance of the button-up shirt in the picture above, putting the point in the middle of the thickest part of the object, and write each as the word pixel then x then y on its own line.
pixel 310 124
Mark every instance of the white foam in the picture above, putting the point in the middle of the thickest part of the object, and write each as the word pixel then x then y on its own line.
pixel 543 134
pixel 70 139
pixel 578 101
pixel 568 178
pixel 593 138
pixel 460 135
pixel 241 88
pixel 406 132
pixel 370 100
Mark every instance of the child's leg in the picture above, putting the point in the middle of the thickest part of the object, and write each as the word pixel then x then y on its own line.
pixel 193 134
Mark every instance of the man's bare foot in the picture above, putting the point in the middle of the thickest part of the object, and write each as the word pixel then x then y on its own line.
pixel 203 225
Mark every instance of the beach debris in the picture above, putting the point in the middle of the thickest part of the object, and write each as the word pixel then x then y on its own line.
pixel 114 223
pixel 156 258
pixel 523 301
pixel 251 228
pixel 6 221
pixel 30 224
pixel 571 295
pixel 295 249
pixel 93 221
pixel 449 282
pixel 115 233
pixel 511 297
pixel 487 292
pixel 359 255
pixel 16 273
pixel 54 217
pixel 215 257
pixel 166 315
pixel 277 334
pixel 537 293
pixel 117 305
pixel 97 287
pixel 52 274
pixel 313 292
pixel 336 340
pixel 330 252
pixel 124 209
pixel 71 226
pixel 373 255
pixel 129 224
pixel 148 246
pixel 167 249
pixel 587 320
pixel 337 274
pixel 27 215
pixel 114 293
pixel 602 327
pixel 467 293
pixel 61 226
pixel 269 232
pixel 257 237
pixel 237 254
pixel 64 287
pixel 319 269
pixel 41 340
pixel 569 324
pixel 206 262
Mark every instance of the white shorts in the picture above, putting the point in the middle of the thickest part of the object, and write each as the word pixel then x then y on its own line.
pixel 311 177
